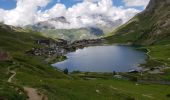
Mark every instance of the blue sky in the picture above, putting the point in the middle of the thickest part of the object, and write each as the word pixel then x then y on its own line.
pixel 11 4
pixel 7 4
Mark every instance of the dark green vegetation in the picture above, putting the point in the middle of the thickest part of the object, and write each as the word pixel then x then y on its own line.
pixel 151 30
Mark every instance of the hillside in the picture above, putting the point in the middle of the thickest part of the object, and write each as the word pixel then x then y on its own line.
pixel 14 42
pixel 150 30
pixel 73 34
pixel 20 71
pixel 148 27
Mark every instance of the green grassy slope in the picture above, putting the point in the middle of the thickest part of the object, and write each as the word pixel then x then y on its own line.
pixel 16 43
pixel 145 28
pixel 109 89
pixel 33 72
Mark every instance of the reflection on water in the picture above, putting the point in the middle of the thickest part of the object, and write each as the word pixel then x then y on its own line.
pixel 103 59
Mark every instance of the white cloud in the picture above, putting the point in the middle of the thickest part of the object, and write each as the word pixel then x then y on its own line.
pixel 2 13
pixel 24 13
pixel 56 11
pixel 82 14
pixel 135 3
pixel 89 0
pixel 79 15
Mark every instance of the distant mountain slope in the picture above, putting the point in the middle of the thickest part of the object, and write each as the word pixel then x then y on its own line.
pixel 148 27
pixel 16 38
pixel 60 27
pixel 53 28
pixel 73 34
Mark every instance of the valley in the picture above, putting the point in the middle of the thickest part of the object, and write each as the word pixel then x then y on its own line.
pixel 27 57
pixel 32 71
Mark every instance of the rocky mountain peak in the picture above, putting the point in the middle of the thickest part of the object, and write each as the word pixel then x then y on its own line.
pixel 61 19
pixel 153 4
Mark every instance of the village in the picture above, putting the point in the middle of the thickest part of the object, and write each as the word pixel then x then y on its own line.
pixel 86 42
pixel 50 47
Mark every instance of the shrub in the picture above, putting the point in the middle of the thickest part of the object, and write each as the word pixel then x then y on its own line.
pixel 65 71
pixel 134 79
pixel 130 98
pixel 168 95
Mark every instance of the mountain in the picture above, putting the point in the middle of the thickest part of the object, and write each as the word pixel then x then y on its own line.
pixel 53 28
pixel 73 34
pixel 105 23
pixel 60 27
pixel 148 27
pixel 49 24
pixel 61 19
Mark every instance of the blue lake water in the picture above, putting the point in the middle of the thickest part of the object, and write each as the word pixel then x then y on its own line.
pixel 103 59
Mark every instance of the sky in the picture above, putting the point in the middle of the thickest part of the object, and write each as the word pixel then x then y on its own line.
pixel 26 12
pixel 11 4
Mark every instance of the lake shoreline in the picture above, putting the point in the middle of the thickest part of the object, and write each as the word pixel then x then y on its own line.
pixel 118 46
pixel 119 74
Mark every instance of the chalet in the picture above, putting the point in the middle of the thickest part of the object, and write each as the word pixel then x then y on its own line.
pixel 43 42
pixel 61 42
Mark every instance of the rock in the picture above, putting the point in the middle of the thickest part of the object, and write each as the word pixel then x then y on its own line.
pixel 117 76
pixel 97 91
pixel 136 84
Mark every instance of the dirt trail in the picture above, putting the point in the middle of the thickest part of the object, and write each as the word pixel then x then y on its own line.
pixel 31 92
pixel 12 76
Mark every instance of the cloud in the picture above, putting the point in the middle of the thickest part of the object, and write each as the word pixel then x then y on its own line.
pixel 2 13
pixel 24 13
pixel 86 14
pixel 135 3
pixel 56 11
pixel 83 14
pixel 89 0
